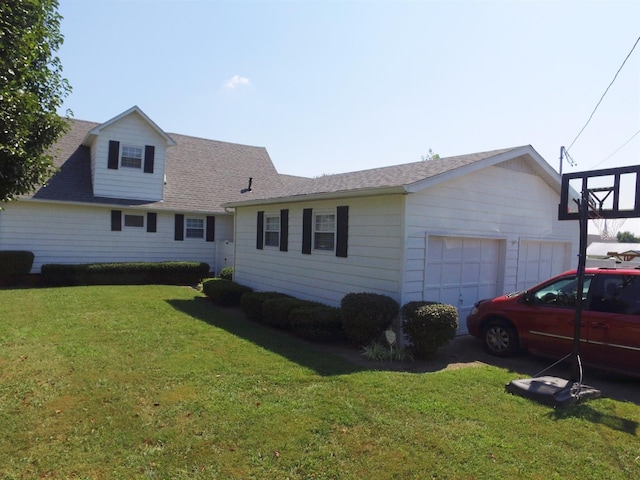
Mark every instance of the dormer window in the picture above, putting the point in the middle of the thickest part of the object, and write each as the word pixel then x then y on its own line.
pixel 131 157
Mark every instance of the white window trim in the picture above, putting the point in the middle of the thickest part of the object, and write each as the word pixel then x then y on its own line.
pixel 187 228
pixel 272 216
pixel 122 149
pixel 334 232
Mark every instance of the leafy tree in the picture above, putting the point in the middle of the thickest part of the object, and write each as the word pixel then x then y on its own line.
pixel 627 237
pixel 430 156
pixel 31 91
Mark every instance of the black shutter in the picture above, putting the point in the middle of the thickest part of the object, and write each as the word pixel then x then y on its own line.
pixel 307 218
pixel 152 221
pixel 211 228
pixel 149 154
pixel 260 231
pixel 116 220
pixel 114 154
pixel 342 231
pixel 179 227
pixel 284 230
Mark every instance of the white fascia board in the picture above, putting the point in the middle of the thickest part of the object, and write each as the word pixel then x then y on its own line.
pixel 546 172
pixel 88 139
pixel 365 192
pixel 157 206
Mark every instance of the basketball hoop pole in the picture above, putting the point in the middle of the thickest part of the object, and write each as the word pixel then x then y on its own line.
pixel 583 207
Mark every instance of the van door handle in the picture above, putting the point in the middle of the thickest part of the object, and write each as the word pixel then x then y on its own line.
pixel 600 325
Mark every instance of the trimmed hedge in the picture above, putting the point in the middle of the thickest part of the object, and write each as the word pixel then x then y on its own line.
pixel 276 311
pixel 125 273
pixel 14 264
pixel 224 293
pixel 365 316
pixel 226 273
pixel 429 326
pixel 251 303
pixel 318 323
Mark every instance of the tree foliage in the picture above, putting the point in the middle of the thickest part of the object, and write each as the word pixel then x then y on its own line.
pixel 627 237
pixel 31 90
pixel 430 156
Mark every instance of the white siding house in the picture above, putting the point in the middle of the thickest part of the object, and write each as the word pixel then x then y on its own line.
pixel 453 230
pixel 127 191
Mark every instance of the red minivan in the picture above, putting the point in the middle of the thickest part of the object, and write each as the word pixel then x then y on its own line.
pixel 541 319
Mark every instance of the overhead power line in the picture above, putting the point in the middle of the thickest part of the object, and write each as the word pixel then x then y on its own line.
pixel 618 149
pixel 603 95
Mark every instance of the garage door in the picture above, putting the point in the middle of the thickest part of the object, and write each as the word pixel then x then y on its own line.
pixel 460 271
pixel 538 261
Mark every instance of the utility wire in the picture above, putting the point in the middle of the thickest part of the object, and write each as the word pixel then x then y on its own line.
pixel 603 95
pixel 618 149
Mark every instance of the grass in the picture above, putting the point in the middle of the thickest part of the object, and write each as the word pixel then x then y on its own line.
pixel 154 382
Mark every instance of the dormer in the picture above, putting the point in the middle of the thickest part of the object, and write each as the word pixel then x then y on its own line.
pixel 128 156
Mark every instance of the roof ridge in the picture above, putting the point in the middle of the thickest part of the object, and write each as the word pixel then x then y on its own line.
pixel 195 137
pixel 421 162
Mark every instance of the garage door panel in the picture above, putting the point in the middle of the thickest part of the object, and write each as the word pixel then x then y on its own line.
pixel 538 260
pixel 451 273
pixel 461 271
pixel 450 295
pixel 470 271
pixel 452 249
pixel 472 249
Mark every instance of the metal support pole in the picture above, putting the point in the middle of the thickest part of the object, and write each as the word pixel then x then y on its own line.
pixel 582 256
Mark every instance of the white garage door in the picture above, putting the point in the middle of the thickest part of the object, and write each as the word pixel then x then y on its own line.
pixel 460 271
pixel 538 261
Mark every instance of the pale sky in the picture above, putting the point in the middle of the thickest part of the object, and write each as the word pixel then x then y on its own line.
pixel 336 86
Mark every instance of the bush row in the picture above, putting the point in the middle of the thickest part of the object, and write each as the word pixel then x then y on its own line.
pixel 362 317
pixel 126 273
pixel 14 264
pixel 309 320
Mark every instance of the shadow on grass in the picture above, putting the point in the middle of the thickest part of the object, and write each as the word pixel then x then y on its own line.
pixel 282 343
pixel 330 359
pixel 585 412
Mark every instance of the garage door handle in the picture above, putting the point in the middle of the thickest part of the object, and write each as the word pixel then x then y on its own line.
pixel 601 325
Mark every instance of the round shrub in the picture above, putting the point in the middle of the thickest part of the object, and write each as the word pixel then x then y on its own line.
pixel 275 311
pixel 365 316
pixel 226 273
pixel 429 326
pixel 224 293
pixel 251 303
pixel 319 323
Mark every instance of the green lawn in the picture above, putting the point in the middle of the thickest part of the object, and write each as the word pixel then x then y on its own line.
pixel 154 382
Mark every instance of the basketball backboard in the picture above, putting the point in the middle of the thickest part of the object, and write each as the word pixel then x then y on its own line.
pixel 612 193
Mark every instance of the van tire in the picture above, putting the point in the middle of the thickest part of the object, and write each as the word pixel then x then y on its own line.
pixel 499 338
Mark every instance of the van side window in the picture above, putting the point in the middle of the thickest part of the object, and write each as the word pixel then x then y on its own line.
pixel 561 293
pixel 617 294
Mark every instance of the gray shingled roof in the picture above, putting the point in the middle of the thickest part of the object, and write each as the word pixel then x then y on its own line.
pixel 207 175
pixel 201 174
pixel 394 176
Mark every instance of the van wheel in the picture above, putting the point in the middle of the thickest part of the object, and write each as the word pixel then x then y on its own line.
pixel 500 338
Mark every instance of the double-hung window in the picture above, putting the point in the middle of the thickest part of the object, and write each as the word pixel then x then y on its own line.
pixel 324 232
pixel 131 157
pixel 195 228
pixel 272 231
